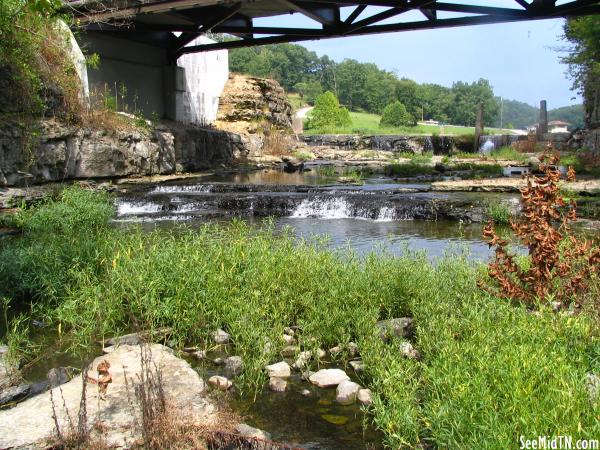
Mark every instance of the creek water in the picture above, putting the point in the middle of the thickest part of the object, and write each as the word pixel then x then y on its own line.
pixel 379 215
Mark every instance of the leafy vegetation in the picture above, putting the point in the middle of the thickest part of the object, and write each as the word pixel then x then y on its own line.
pixel 35 70
pixel 328 113
pixel 508 153
pixel 367 123
pixel 560 266
pixel 489 371
pixel 396 115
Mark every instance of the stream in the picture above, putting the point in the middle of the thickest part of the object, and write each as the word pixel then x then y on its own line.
pixel 377 216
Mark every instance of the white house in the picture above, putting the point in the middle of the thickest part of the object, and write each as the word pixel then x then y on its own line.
pixel 558 126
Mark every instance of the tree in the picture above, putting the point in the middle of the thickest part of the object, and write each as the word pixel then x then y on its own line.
pixel 309 90
pixel 396 115
pixel 328 113
pixel 468 97
pixel 584 62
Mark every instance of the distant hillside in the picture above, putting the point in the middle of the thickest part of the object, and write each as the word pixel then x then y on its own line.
pixel 364 87
pixel 516 114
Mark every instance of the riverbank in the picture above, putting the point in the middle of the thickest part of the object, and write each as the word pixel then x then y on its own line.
pixel 488 371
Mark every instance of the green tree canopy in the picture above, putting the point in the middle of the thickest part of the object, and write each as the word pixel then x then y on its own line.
pixel 328 113
pixel 396 115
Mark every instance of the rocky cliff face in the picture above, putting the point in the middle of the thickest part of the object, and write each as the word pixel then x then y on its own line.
pixel 250 100
pixel 255 108
pixel 68 152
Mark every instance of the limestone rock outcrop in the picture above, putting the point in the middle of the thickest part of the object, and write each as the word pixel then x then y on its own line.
pixel 246 100
pixel 70 152
pixel 116 412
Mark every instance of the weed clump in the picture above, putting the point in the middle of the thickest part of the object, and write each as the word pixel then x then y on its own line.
pixel 560 264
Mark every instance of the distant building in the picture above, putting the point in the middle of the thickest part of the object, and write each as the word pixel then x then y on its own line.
pixel 429 122
pixel 555 126
pixel 558 126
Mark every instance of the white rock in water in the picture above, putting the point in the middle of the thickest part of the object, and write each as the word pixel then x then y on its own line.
pixel 221 337
pixel 30 423
pixel 335 350
pixel 347 392
pixel 234 366
pixel 253 433
pixel 220 382
pixel 358 366
pixel 289 351
pixel 280 370
pixel 328 377
pixel 365 397
pixel 199 354
pixel 303 359
pixel 277 384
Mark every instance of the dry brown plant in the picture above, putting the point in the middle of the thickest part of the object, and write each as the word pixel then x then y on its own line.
pixel 561 265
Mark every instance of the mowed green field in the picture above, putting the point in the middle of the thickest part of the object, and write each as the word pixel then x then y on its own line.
pixel 366 123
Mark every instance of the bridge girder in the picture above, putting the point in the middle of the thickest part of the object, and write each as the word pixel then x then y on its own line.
pixel 194 17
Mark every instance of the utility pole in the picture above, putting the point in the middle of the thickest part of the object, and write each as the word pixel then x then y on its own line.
pixel 422 113
pixel 501 111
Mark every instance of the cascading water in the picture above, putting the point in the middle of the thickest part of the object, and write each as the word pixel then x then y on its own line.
pixel 181 189
pixel 131 208
pixel 323 208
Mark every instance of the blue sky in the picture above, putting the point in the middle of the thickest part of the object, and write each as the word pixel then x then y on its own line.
pixel 521 60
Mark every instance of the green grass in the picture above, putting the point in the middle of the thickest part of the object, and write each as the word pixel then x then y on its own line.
pixel 366 123
pixel 489 372
pixel 508 153
pixel 410 169
pixel 417 158
pixel 499 212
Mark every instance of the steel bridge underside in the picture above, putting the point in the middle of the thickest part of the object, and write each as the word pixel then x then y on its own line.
pixel 155 21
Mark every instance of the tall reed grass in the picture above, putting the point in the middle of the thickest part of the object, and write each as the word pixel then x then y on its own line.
pixel 490 372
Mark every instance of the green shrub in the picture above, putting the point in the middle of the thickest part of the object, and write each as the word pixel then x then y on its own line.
pixel 396 115
pixel 328 113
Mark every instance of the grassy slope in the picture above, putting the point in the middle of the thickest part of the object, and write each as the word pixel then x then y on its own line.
pixel 489 373
pixel 366 123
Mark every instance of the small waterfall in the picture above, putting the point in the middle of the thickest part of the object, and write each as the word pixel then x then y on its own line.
pixel 386 214
pixel 487 147
pixel 428 145
pixel 182 189
pixel 323 208
pixel 128 208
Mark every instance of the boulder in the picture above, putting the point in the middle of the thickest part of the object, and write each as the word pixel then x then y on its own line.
pixel 14 394
pixel 114 418
pixel 57 376
pixel 302 360
pixel 277 384
pixel 233 366
pixel 219 382
pixel 401 327
pixel 328 377
pixel 289 351
pixel 221 337
pixel 199 354
pixel 357 365
pixel 280 370
pixel 346 392
pixel 365 396
pixel 252 433
pixel 138 338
